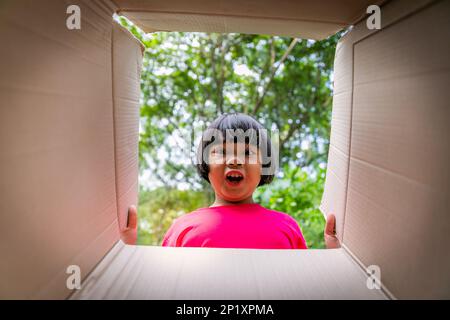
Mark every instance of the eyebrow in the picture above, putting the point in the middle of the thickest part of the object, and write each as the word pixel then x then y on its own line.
pixel 247 145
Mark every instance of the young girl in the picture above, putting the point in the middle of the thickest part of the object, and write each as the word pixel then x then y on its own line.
pixel 232 158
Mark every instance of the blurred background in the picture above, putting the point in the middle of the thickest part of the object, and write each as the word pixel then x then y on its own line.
pixel 188 79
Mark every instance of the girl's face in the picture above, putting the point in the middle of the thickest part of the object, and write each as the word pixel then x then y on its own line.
pixel 234 171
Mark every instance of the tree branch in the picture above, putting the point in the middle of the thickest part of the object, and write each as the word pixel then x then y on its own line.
pixel 221 79
pixel 272 75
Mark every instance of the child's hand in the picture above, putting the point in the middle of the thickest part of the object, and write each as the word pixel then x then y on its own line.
pixel 331 241
pixel 129 234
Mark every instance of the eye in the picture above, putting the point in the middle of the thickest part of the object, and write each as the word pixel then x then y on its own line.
pixel 218 151
pixel 249 152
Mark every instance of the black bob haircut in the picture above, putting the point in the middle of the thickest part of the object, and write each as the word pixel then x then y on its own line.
pixel 235 121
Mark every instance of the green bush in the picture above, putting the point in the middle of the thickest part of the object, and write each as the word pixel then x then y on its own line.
pixel 296 194
pixel 159 207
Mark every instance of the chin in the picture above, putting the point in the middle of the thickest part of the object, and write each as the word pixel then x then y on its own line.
pixel 234 199
pixel 237 201
pixel 233 196
pixel 229 199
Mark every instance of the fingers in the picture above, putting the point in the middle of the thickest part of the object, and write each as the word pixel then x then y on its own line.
pixel 129 233
pixel 331 241
pixel 132 217
pixel 330 228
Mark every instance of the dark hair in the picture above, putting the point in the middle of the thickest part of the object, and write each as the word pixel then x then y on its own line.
pixel 235 121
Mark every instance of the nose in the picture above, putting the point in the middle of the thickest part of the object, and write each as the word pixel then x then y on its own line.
pixel 234 161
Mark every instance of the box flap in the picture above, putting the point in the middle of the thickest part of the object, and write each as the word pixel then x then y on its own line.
pixel 127 64
pixel 388 150
pixel 305 19
pixel 144 272
pixel 57 153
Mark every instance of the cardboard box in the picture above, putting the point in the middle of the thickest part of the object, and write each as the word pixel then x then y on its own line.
pixel 306 19
pixel 388 176
pixel 69 119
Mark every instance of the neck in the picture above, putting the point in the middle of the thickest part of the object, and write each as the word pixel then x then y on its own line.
pixel 222 202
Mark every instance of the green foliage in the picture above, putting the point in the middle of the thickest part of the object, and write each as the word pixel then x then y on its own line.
pixel 188 79
pixel 297 194
pixel 159 207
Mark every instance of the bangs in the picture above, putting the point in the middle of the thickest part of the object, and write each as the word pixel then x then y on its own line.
pixel 236 128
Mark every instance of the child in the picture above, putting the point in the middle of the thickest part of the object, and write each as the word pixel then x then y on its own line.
pixel 232 158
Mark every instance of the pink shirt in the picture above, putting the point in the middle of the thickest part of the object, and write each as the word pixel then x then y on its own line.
pixel 235 226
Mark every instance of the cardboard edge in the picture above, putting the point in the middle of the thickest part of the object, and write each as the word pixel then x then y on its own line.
pixel 395 13
pixel 109 278
pixel 332 27
pixel 129 40
pixel 362 267
pixel 130 35
pixel 101 266
pixel 363 15
pixel 391 13
pixel 111 232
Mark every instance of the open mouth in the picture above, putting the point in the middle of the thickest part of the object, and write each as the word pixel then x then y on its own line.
pixel 234 177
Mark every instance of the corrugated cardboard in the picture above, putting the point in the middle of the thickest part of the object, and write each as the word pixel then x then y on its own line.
pixel 66 147
pixel 58 198
pixel 390 139
pixel 302 18
pixel 127 63
pixel 69 119
pixel 144 272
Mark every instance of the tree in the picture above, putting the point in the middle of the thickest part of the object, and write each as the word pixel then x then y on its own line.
pixel 299 195
pixel 188 79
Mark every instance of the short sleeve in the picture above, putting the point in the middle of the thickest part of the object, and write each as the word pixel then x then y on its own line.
pixel 168 239
pixel 300 242
pixel 297 239
pixel 175 235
